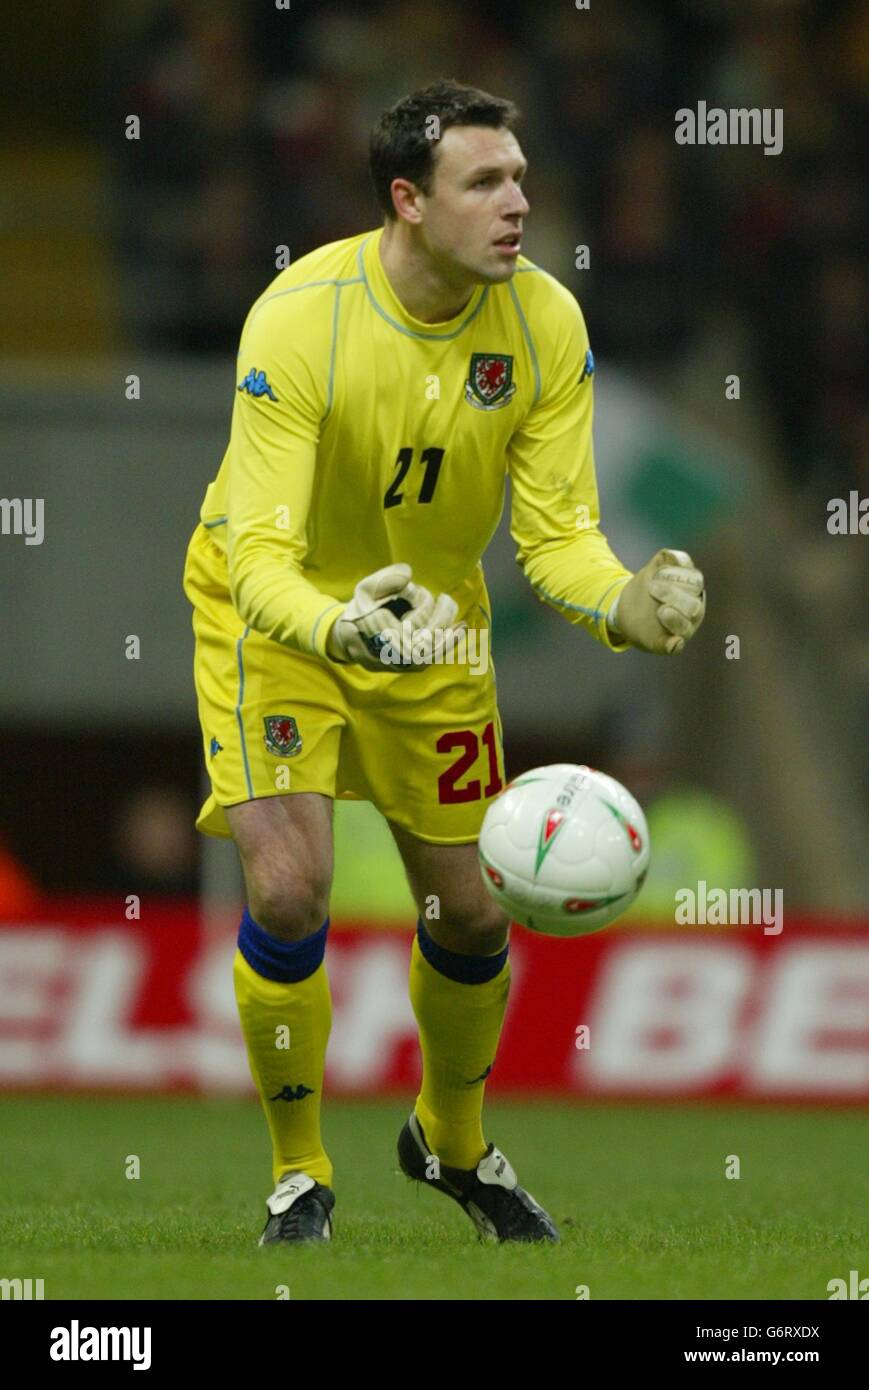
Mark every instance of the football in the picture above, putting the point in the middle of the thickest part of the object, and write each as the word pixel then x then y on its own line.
pixel 564 849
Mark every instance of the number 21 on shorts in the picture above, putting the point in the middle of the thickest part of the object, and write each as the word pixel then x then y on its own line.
pixel 466 740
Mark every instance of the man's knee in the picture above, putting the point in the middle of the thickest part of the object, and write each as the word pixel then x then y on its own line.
pixel 476 927
pixel 285 845
pixel 291 905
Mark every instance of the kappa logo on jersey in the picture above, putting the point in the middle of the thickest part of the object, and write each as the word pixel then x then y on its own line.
pixel 282 735
pixel 588 367
pixel 256 384
pixel 216 748
pixel 490 381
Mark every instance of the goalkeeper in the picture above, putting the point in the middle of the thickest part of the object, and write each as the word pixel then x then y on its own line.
pixel 388 384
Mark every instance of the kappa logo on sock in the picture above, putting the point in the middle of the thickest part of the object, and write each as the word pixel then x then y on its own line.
pixel 482 1075
pixel 293 1092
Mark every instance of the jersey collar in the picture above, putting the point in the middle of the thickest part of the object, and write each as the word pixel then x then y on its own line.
pixel 387 304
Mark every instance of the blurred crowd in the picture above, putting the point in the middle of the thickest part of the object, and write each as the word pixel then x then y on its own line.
pixel 255 123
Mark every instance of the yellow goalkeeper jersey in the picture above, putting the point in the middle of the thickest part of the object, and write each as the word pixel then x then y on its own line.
pixel 362 436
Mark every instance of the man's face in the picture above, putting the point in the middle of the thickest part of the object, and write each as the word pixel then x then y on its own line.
pixel 472 219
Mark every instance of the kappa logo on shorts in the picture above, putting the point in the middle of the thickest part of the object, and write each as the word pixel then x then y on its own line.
pixel 282 735
pixel 490 381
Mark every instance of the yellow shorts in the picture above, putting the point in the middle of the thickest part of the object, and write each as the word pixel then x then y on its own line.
pixel 425 747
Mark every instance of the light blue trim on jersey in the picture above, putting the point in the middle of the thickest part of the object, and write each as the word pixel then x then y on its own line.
pixel 312 285
pixel 529 340
pixel 238 717
pixel 412 332
pixel 331 390
pixel 294 289
pixel 221 521
pixel 319 620
pixel 563 603
pixel 607 592
pixel 618 638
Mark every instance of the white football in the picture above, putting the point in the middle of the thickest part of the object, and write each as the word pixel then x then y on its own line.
pixel 564 849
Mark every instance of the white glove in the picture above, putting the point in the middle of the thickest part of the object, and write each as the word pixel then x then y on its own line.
pixel 661 608
pixel 384 606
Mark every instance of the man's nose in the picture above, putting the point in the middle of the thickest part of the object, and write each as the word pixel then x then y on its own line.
pixel 518 205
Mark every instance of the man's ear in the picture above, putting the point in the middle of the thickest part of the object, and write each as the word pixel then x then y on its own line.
pixel 405 196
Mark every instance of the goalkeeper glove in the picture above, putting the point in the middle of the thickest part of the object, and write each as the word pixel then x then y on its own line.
pixel 384 605
pixel 662 606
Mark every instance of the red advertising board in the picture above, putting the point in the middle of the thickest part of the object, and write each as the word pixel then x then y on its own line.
pixel 90 1001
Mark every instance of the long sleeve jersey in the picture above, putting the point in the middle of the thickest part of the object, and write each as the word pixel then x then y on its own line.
pixel 361 436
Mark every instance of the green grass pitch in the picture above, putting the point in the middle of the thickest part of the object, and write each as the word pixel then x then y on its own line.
pixel 639 1192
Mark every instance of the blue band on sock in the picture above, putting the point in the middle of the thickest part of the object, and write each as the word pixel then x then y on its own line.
pixel 466 970
pixel 287 962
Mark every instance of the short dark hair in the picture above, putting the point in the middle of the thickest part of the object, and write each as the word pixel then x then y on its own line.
pixel 402 146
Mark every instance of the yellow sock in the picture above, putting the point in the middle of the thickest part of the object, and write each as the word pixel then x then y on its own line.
pixel 459 1027
pixel 289 1078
